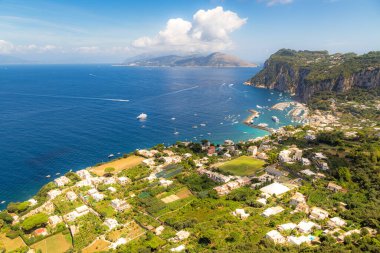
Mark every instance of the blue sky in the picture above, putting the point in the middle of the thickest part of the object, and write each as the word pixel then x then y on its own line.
pixel 110 31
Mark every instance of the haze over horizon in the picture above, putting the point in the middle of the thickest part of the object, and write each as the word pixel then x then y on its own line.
pixel 100 32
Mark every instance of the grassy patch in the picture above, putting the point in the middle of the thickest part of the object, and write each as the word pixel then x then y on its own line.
pixel 242 166
pixel 129 232
pixel 118 165
pixel 11 244
pixel 97 246
pixel 53 244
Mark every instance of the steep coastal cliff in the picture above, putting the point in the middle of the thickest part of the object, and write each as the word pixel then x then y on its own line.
pixel 303 73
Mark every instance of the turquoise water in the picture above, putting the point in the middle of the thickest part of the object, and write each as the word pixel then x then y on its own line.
pixel 57 118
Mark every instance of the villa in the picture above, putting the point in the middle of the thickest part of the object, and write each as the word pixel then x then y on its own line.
pixel 120 205
pixel 240 213
pixel 179 248
pixel 32 202
pixel 52 194
pixel 299 240
pixel 54 220
pixel 83 174
pixel 287 226
pixel 272 211
pixel 336 222
pixel 276 189
pixel 275 237
pixel 306 227
pixel 119 242
pixel 334 187
pixel 111 223
pixel 318 213
pixel 71 196
pixel 61 181
pixel 165 182
pixel 40 232
pixel 297 198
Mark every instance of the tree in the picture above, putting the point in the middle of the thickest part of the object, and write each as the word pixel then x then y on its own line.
pixel 109 171
pixel 34 221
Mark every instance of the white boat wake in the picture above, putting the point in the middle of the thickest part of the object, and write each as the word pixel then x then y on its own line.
pixel 71 97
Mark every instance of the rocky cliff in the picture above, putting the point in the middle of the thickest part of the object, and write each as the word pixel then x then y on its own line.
pixel 303 73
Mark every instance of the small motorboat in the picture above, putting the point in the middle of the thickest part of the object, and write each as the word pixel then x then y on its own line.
pixel 275 119
pixel 111 155
pixel 142 116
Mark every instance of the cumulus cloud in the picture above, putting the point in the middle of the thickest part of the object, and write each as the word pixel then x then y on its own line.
pixel 6 47
pixel 209 30
pixel 276 2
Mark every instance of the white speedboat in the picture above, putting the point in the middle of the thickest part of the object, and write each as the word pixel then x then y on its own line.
pixel 275 119
pixel 111 155
pixel 142 116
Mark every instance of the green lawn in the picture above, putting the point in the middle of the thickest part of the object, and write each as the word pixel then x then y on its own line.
pixel 242 166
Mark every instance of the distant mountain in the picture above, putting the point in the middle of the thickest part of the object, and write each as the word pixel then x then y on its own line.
pixel 213 60
pixel 6 59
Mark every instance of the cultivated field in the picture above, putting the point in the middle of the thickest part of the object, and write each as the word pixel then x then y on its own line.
pixel 242 166
pixel 11 244
pixel 97 246
pixel 129 232
pixel 118 165
pixel 54 244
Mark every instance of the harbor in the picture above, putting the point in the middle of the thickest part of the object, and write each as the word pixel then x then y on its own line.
pixel 249 121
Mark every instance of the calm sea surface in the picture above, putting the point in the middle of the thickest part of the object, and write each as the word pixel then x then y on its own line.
pixel 57 118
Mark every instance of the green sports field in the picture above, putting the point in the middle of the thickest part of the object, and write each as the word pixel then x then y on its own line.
pixel 242 166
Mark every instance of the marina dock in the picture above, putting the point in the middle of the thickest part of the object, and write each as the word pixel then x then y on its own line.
pixel 249 121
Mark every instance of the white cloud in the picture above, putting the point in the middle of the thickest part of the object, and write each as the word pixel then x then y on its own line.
pixel 87 50
pixel 276 2
pixel 6 47
pixel 208 31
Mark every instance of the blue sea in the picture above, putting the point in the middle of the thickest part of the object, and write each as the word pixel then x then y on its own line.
pixel 56 118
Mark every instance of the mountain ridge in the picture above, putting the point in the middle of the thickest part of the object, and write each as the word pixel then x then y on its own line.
pixel 215 59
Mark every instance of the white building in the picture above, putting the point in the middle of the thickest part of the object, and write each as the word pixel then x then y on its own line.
pixel 272 211
pixel 32 202
pixel 52 194
pixel 149 162
pixel 83 174
pixel 305 162
pixel 297 198
pixel 119 242
pixel 305 227
pixel 97 196
pixel 159 230
pixel 275 237
pixel 293 240
pixel 120 205
pixel 54 220
pixel 109 180
pixel 308 172
pixel 287 226
pixel 318 213
pixel 178 249
pixel 182 235
pixel 252 150
pixel 276 189
pixel 336 222
pixel 240 213
pixel 111 223
pixel 111 189
pixel 71 196
pixel 165 182
pixel 61 181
